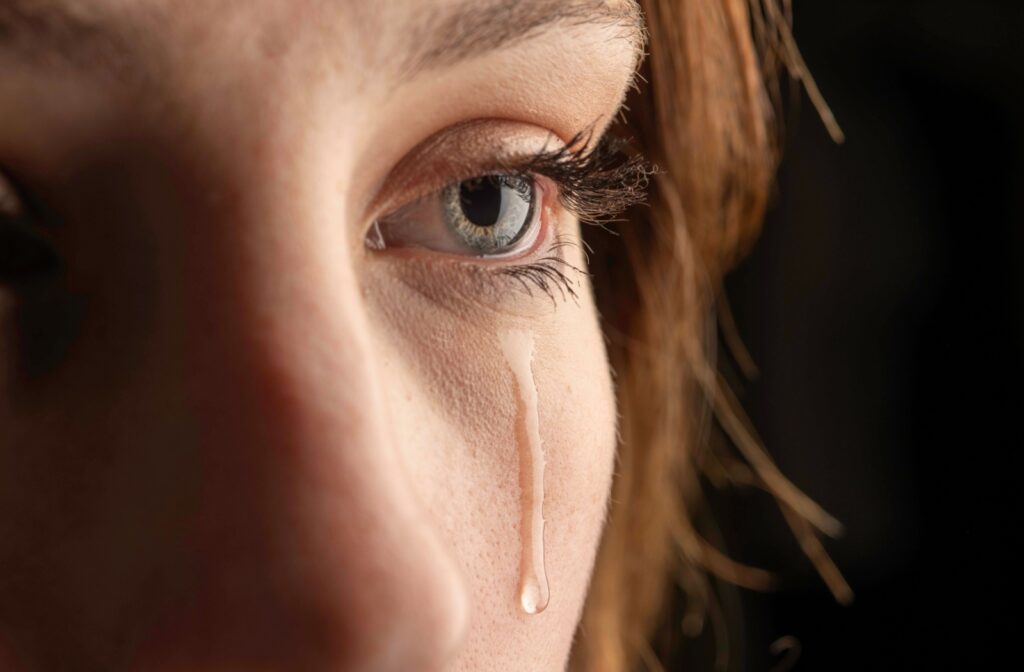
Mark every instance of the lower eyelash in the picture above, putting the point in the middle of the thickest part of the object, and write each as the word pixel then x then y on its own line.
pixel 551 274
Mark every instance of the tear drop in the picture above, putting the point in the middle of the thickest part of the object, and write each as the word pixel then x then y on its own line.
pixel 533 581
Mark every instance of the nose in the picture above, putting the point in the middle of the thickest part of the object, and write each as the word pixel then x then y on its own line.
pixel 304 546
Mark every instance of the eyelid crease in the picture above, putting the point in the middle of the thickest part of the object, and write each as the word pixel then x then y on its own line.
pixel 459 152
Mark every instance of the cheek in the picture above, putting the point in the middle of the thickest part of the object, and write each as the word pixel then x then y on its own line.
pixel 577 424
pixel 456 414
pixel 577 418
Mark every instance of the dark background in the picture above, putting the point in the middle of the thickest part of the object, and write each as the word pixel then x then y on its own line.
pixel 884 306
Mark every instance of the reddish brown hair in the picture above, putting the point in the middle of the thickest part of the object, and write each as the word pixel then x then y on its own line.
pixel 703 114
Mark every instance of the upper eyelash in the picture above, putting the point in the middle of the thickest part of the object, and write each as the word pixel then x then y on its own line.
pixel 597 184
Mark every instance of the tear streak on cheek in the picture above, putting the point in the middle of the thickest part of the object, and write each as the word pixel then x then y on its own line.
pixel 533 583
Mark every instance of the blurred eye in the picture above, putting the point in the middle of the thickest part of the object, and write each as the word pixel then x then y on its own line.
pixel 24 253
pixel 490 215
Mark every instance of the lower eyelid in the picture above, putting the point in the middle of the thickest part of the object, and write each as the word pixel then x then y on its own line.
pixel 540 279
pixel 480 293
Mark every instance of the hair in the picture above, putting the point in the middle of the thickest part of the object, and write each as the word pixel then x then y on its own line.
pixel 705 114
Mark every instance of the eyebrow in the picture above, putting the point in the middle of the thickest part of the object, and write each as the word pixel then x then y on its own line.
pixel 474 28
pixel 48 33
pixel 58 32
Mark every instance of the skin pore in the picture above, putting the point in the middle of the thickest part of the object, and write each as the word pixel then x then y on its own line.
pixel 235 435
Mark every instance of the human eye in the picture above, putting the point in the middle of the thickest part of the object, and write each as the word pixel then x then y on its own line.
pixel 490 215
pixel 499 207
pixel 25 254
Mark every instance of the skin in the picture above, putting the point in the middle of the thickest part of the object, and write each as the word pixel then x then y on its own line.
pixel 250 442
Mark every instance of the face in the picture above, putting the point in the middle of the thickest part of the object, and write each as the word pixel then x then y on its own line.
pixel 299 367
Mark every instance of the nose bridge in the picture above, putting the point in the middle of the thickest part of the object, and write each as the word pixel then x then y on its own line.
pixel 307 529
pixel 272 320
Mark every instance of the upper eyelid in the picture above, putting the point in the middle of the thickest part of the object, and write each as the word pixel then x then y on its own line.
pixel 596 178
pixel 463 151
pixel 433 187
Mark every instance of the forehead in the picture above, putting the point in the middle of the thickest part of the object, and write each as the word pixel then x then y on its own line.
pixel 402 35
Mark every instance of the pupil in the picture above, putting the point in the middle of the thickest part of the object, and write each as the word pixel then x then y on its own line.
pixel 481 201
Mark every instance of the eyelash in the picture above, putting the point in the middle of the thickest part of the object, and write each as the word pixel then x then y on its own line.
pixel 547 273
pixel 595 185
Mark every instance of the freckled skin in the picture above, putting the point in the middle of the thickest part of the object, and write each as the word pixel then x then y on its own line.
pixel 265 447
